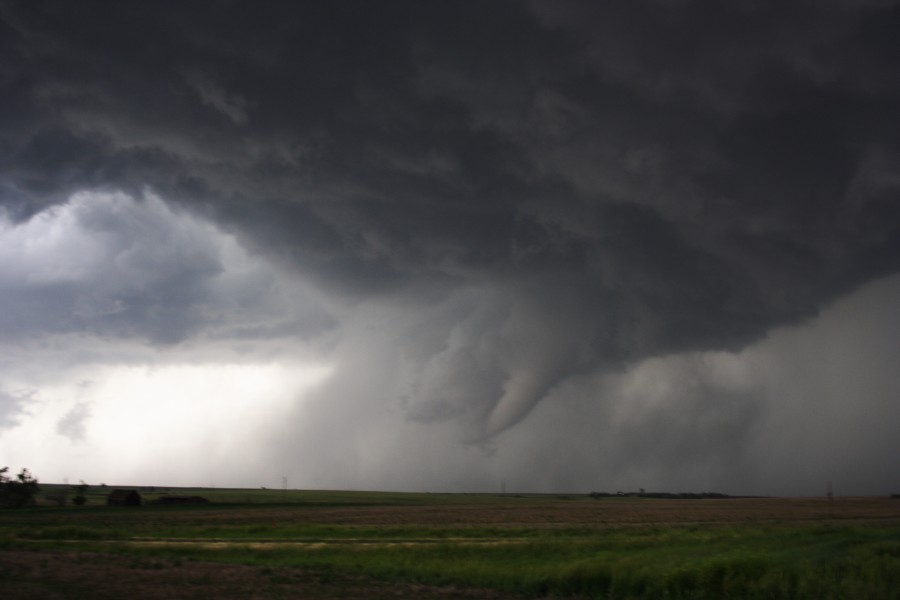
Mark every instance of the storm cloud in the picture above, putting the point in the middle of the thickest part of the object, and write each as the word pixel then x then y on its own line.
pixel 486 217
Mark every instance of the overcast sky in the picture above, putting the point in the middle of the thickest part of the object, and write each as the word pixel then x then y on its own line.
pixel 455 245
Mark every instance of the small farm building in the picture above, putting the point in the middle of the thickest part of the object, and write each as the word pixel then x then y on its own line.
pixel 182 500
pixel 123 498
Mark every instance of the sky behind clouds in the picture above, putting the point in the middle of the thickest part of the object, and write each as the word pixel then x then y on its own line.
pixel 440 246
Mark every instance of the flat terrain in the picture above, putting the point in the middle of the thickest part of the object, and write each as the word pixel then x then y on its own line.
pixel 359 544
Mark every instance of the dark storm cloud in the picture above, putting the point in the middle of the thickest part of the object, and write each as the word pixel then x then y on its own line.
pixel 549 186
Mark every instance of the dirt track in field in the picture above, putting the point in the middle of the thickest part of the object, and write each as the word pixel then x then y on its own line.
pixel 49 575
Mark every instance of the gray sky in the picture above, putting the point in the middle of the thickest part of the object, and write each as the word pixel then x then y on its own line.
pixel 564 245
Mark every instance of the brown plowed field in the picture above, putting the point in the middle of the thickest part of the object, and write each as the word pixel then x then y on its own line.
pixel 603 513
pixel 581 513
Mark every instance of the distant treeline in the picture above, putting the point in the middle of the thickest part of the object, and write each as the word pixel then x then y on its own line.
pixel 681 496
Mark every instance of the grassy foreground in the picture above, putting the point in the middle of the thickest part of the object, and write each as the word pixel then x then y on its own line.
pixel 516 546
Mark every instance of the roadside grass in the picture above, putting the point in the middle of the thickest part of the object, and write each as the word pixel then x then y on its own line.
pixel 749 562
pixel 676 564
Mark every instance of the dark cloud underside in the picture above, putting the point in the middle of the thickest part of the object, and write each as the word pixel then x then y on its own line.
pixel 609 181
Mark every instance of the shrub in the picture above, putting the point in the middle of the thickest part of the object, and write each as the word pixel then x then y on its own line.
pixel 19 491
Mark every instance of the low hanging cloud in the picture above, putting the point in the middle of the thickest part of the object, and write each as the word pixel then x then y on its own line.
pixel 11 405
pixel 501 204
pixel 109 264
pixel 72 425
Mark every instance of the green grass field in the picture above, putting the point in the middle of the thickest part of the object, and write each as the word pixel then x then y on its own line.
pixel 475 544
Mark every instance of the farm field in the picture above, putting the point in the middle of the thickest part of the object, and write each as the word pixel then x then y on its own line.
pixel 320 544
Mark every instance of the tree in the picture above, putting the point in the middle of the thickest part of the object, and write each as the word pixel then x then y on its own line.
pixel 17 492
pixel 81 494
